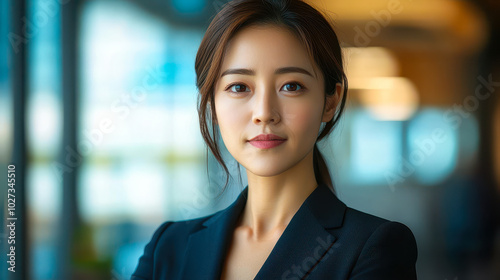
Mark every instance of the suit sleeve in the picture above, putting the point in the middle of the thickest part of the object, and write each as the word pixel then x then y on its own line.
pixel 144 270
pixel 389 253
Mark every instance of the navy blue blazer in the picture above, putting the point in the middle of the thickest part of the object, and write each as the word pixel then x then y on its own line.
pixel 325 239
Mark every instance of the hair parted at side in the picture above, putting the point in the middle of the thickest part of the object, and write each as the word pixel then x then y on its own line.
pixel 311 28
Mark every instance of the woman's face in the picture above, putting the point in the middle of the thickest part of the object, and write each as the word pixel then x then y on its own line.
pixel 268 85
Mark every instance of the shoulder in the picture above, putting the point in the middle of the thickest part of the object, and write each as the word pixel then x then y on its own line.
pixel 168 240
pixel 177 230
pixel 361 221
pixel 385 249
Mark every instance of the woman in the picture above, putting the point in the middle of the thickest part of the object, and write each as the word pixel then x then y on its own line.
pixel 271 79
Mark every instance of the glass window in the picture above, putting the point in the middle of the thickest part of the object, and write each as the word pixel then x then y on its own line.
pixel 433 146
pixel 44 135
pixel 139 132
pixel 376 148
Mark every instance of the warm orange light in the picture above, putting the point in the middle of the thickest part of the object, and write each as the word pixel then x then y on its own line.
pixel 388 98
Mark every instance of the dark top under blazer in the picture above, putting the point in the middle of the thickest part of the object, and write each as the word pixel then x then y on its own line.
pixel 325 239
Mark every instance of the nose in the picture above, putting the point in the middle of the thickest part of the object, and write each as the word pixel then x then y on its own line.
pixel 265 109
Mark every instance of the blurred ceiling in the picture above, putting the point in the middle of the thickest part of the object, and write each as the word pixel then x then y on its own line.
pixel 436 43
pixel 448 25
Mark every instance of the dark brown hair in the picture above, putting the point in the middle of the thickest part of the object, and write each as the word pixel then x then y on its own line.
pixel 309 25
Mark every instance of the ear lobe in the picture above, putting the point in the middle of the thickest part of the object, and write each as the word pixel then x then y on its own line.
pixel 331 103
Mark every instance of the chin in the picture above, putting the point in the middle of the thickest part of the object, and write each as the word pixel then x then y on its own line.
pixel 266 170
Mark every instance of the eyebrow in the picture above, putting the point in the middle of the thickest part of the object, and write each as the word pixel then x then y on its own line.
pixel 283 70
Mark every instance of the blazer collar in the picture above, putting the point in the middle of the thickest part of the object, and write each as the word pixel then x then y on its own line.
pixel 301 246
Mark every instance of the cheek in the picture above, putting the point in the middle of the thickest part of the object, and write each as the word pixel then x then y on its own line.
pixel 303 119
pixel 227 118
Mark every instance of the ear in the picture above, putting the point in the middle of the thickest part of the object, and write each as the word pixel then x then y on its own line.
pixel 331 103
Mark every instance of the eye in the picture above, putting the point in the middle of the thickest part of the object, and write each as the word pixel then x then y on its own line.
pixel 237 88
pixel 293 86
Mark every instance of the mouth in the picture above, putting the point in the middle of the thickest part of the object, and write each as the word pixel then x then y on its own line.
pixel 267 144
pixel 267 141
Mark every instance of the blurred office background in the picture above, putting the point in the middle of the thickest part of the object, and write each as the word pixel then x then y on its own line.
pixel 98 112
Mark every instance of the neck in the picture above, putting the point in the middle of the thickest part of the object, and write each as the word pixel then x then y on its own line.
pixel 273 201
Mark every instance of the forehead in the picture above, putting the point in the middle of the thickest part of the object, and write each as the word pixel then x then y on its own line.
pixel 266 46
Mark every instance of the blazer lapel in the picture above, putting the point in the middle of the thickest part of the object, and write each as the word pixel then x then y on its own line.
pixel 305 241
pixel 206 248
pixel 303 244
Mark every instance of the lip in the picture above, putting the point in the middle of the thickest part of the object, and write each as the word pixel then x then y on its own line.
pixel 266 141
pixel 266 137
